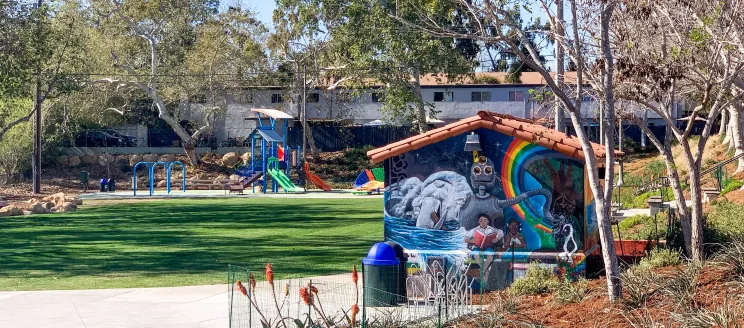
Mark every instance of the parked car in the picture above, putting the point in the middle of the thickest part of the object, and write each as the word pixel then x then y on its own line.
pixel 128 140
pixel 98 138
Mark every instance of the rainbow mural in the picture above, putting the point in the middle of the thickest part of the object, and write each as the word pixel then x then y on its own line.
pixel 517 158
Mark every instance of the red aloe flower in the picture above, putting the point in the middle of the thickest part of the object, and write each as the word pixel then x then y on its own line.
pixel 354 275
pixel 253 282
pixel 306 296
pixel 314 290
pixel 241 288
pixel 354 310
pixel 286 290
pixel 269 274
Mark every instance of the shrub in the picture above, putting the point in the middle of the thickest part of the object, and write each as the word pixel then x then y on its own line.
pixel 640 283
pixel 661 257
pixel 731 257
pixel 732 185
pixel 724 222
pixel 730 314
pixel 538 280
pixel 572 292
pixel 680 289
pixel 643 227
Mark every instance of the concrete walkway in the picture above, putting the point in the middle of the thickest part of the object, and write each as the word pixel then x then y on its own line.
pixel 197 306
pixel 192 306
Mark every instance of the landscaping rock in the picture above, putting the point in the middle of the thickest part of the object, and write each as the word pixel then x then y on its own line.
pixel 63 160
pixel 39 209
pixel 55 199
pixel 234 177
pixel 161 184
pixel 167 158
pixel 74 200
pixel 230 159
pixel 33 201
pixel 246 157
pixel 90 159
pixel 73 161
pixel 134 159
pixel 150 157
pixel 48 205
pixel 4 213
pixel 105 159
pixel 66 207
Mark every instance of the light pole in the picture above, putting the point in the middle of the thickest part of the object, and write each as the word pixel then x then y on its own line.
pixel 304 118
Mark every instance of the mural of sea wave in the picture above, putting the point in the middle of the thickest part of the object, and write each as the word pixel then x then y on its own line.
pixel 404 232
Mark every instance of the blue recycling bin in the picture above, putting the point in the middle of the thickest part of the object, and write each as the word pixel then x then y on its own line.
pixel 381 276
pixel 104 184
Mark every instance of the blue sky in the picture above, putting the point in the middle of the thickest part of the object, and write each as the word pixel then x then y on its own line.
pixel 264 8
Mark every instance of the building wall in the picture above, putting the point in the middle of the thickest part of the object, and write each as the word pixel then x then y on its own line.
pixel 433 200
pixel 238 120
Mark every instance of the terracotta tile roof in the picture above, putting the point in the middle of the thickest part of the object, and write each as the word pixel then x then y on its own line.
pixel 481 78
pixel 506 124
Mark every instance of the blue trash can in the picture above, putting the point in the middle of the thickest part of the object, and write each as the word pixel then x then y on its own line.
pixel 104 184
pixel 381 276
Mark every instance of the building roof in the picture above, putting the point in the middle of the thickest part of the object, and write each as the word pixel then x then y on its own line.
pixel 506 124
pixel 489 78
pixel 273 113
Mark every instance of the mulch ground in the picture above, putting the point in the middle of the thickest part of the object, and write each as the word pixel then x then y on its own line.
pixel 715 289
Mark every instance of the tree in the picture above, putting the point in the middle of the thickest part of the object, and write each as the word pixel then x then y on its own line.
pixel 368 46
pixel 163 34
pixel 500 26
pixel 697 61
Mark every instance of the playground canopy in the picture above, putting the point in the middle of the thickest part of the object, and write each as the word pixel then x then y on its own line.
pixel 273 113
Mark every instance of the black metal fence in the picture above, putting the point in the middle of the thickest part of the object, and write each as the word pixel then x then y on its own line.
pixel 335 138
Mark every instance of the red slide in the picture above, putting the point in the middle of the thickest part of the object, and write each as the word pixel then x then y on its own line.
pixel 316 180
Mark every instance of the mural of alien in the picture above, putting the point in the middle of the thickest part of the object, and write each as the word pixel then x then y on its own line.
pixel 483 178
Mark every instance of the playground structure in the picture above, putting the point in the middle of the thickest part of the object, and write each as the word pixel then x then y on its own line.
pixel 151 175
pixel 275 158
pixel 370 181
pixel 316 180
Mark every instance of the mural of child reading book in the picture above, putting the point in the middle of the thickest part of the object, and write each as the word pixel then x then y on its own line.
pixel 484 237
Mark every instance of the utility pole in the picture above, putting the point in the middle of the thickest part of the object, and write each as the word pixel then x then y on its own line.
pixel 36 163
pixel 304 116
pixel 560 118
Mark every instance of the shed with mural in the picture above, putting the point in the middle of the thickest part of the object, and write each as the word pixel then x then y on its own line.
pixel 488 195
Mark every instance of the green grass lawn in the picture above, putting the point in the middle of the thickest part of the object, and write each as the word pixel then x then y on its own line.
pixel 185 242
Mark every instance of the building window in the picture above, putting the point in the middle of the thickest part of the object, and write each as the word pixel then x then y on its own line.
pixel 587 98
pixel 345 97
pixel 480 96
pixel 515 96
pixel 276 98
pixel 378 97
pixel 443 96
pixel 313 97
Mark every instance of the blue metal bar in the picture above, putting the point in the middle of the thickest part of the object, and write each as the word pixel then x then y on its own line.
pixel 263 161
pixel 152 176
pixel 183 172
pixel 134 175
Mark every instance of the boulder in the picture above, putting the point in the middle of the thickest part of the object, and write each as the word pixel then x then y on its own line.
pixel 63 160
pixel 234 177
pixel 134 159
pixel 48 205
pixel 39 209
pixel 4 213
pixel 167 158
pixel 246 157
pixel 123 159
pixel 230 159
pixel 73 161
pixel 89 159
pixel 55 199
pixel 33 201
pixel 66 207
pixel 199 176
pixel 105 159
pixel 150 157
pixel 13 210
pixel 73 200
pixel 161 184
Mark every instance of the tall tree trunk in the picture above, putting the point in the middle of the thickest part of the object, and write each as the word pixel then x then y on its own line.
pixel 737 133
pixel 614 286
pixel 187 141
pixel 560 118
pixel 724 122
pixel 643 131
pixel 308 131
pixel 421 113
pixel 696 197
